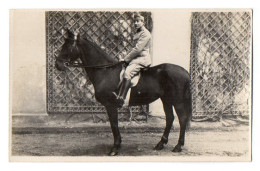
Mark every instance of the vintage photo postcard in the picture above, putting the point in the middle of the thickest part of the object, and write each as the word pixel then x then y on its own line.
pixel 130 85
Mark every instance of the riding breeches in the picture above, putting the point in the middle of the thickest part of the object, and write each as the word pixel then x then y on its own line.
pixel 132 70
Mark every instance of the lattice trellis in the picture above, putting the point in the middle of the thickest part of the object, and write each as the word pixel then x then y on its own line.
pixel 220 63
pixel 72 92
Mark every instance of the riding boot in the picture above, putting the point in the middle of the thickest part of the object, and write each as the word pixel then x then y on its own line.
pixel 123 91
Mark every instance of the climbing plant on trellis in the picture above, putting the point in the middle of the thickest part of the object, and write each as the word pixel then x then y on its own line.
pixel 220 64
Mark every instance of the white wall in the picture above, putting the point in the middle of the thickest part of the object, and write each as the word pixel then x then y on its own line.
pixel 28 61
pixel 171 37
pixel 171 44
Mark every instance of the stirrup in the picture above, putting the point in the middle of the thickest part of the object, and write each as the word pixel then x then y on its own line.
pixel 115 95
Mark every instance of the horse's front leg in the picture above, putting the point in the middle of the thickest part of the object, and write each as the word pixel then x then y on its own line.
pixel 113 118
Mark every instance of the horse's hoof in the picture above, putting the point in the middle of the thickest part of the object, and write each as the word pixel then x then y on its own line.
pixel 159 146
pixel 112 153
pixel 177 149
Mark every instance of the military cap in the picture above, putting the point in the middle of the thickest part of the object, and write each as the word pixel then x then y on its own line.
pixel 138 16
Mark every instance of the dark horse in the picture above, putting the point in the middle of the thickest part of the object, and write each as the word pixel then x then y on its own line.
pixel 169 82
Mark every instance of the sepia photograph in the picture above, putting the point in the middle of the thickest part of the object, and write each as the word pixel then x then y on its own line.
pixel 130 85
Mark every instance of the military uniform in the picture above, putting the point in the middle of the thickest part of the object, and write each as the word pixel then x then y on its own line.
pixel 139 57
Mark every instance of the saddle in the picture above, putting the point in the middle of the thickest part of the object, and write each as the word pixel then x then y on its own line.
pixel 134 82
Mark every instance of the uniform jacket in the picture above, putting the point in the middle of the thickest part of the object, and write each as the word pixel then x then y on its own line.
pixel 140 54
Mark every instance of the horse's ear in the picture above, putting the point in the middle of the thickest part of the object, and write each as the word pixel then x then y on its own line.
pixel 70 34
pixel 64 32
pixel 67 33
pixel 78 37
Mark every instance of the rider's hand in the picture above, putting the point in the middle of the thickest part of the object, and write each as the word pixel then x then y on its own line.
pixel 121 60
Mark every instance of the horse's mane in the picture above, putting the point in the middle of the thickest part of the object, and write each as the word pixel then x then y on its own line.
pixel 94 45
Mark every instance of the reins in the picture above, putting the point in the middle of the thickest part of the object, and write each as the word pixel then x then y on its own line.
pixel 80 65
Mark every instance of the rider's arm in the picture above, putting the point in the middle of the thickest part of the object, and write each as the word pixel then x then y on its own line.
pixel 143 40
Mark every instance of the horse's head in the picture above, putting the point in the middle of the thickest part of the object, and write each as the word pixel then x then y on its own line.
pixel 69 51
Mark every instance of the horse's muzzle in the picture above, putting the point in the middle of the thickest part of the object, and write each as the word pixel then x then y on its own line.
pixel 60 65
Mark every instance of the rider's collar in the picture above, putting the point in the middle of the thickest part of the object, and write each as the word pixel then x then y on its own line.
pixel 140 29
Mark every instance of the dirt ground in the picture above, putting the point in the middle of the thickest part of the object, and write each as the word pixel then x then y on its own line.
pixel 228 143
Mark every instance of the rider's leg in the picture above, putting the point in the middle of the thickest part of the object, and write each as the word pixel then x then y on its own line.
pixel 130 72
pixel 126 84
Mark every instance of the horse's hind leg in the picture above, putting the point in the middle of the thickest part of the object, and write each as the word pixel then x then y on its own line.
pixel 169 120
pixel 184 112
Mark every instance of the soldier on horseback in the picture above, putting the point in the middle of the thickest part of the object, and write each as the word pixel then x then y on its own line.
pixel 169 82
pixel 138 58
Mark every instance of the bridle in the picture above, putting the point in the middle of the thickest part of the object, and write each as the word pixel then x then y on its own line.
pixel 81 65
